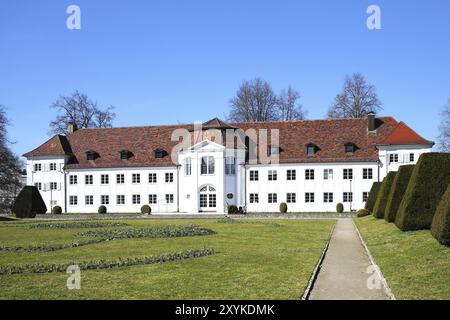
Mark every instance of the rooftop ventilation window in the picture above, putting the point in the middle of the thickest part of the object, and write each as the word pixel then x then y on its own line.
pixel 125 154
pixel 274 150
pixel 350 147
pixel 91 155
pixel 160 153
pixel 311 149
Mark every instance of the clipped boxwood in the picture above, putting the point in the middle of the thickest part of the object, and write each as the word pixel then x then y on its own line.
pixel 380 204
pixel 283 207
pixel 362 213
pixel 440 227
pixel 232 209
pixel 397 192
pixel 373 195
pixel 428 183
pixel 29 203
pixel 57 210
pixel 340 207
pixel 102 210
pixel 145 209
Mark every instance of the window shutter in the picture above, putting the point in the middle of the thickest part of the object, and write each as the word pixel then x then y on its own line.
pixel 59 186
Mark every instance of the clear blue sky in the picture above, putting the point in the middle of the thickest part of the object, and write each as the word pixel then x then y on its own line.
pixel 166 61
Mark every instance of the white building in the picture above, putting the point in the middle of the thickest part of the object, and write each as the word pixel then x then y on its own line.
pixel 311 165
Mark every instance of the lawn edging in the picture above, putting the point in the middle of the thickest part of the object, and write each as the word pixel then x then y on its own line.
pixel 386 288
pixel 316 270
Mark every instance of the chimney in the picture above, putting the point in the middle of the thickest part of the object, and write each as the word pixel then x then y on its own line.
pixel 71 127
pixel 371 121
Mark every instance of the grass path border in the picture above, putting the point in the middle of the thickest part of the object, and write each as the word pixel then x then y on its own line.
pixel 315 273
pixel 387 290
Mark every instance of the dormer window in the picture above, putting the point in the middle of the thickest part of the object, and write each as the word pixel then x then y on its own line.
pixel 160 153
pixel 350 147
pixel 274 150
pixel 125 154
pixel 91 155
pixel 311 149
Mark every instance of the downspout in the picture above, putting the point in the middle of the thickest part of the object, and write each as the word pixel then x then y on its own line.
pixel 65 190
pixel 178 188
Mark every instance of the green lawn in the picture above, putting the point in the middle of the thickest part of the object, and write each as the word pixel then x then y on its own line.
pixel 415 265
pixel 254 260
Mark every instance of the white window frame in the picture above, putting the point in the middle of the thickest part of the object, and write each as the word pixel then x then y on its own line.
pixel 207 165
pixel 272 175
pixel 327 174
pixel 230 165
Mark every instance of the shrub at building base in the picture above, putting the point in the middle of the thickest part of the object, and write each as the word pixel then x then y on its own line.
pixel 397 192
pixel 232 209
pixel 29 203
pixel 57 210
pixel 340 208
pixel 440 227
pixel 145 209
pixel 380 204
pixel 102 210
pixel 373 194
pixel 428 183
pixel 362 213
pixel 283 207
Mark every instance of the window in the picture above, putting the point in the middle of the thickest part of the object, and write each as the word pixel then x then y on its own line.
pixel 348 174
pixel 349 148
pixel 309 197
pixel 230 165
pixel 328 197
pixel 160 153
pixel 169 177
pixel 104 199
pixel 120 178
pixel 327 174
pixel 365 196
pixel 254 175
pixel 254 198
pixel 291 197
pixel 53 185
pixel 207 166
pixel 212 200
pixel 38 185
pixel 37 167
pixel 393 157
pixel 136 178
pixel 272 175
pixel 291 174
pixel 272 198
pixel 89 179
pixel 310 149
pixel 73 200
pixel 411 157
pixel 274 150
pixel 120 199
pixel 89 200
pixel 90 155
pixel 188 166
pixel 309 174
pixel 104 178
pixel 348 197
pixel 152 178
pixel 152 199
pixel 230 196
pixel 52 166
pixel 136 199
pixel 73 179
pixel 367 173
pixel 169 199
pixel 125 154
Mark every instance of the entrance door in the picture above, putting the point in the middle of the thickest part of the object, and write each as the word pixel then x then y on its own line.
pixel 208 198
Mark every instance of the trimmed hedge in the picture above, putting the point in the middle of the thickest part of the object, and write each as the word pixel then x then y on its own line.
pixel 340 207
pixel 373 195
pixel 428 183
pixel 440 228
pixel 397 192
pixel 232 209
pixel 29 203
pixel 145 209
pixel 380 204
pixel 102 210
pixel 57 210
pixel 283 207
pixel 362 213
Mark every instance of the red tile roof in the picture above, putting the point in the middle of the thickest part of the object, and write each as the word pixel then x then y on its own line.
pixel 328 135
pixel 402 134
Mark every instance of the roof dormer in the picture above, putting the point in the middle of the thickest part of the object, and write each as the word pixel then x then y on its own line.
pixel 350 147
pixel 160 153
pixel 91 155
pixel 311 149
pixel 125 154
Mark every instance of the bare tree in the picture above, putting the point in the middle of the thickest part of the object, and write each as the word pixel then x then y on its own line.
pixel 289 108
pixel 85 113
pixel 254 101
pixel 444 128
pixel 356 100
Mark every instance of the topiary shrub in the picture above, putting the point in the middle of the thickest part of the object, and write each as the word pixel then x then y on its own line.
pixel 373 195
pixel 145 209
pixel 362 213
pixel 29 203
pixel 383 194
pixel 283 207
pixel 241 210
pixel 340 208
pixel 57 210
pixel 397 192
pixel 440 227
pixel 232 209
pixel 428 183
pixel 102 210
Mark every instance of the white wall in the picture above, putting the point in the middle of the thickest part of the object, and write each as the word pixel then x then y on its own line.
pixel 403 156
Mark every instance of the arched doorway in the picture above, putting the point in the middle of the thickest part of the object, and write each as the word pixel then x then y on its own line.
pixel 208 198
